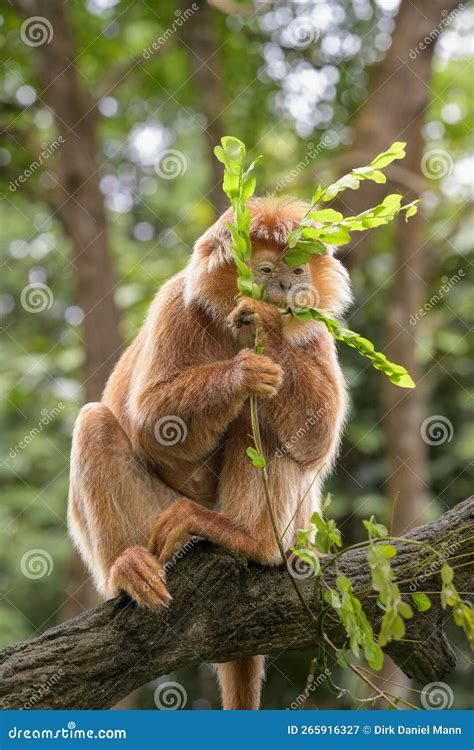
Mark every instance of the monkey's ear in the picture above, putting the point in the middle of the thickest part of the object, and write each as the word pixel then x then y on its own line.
pixel 216 243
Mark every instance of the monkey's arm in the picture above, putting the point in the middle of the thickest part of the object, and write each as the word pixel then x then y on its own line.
pixel 308 412
pixel 186 415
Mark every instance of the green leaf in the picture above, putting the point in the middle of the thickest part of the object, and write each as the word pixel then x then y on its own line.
pixel 447 573
pixel 421 601
pixel 318 195
pixel 333 598
pixel 374 656
pixel 368 173
pixel 396 373
pixel 326 214
pixel 257 459
pixel 297 257
pixel 396 151
pixel 388 550
pixel 342 658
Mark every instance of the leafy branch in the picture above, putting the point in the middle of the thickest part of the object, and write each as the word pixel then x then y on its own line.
pixel 319 229
pixel 332 230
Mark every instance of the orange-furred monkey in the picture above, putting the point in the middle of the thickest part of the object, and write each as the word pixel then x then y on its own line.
pixel 162 457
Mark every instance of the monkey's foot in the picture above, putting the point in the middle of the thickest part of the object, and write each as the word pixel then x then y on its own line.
pixel 137 572
pixel 173 528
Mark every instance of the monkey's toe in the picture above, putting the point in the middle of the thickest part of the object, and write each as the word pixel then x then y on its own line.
pixel 137 572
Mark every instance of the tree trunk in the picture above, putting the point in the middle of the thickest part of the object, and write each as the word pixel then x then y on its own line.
pixel 82 210
pixel 226 608
pixel 199 35
pixel 82 213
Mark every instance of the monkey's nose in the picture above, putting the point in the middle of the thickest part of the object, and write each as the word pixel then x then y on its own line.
pixel 285 286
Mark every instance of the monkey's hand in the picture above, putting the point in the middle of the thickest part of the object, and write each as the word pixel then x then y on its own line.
pixel 137 572
pixel 257 375
pixel 260 315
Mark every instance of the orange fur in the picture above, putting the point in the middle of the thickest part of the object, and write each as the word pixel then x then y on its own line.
pixel 138 489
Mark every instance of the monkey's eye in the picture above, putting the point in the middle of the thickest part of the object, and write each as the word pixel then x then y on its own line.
pixel 298 271
pixel 266 269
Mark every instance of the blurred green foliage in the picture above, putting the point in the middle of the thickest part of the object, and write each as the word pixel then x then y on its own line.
pixel 282 100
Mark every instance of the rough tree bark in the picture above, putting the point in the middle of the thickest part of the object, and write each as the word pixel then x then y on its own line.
pixel 223 608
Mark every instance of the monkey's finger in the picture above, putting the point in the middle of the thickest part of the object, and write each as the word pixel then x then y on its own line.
pixel 174 541
pixel 142 577
pixel 264 391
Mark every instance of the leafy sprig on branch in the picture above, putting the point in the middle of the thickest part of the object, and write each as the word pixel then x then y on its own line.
pixel 320 228
pixel 306 240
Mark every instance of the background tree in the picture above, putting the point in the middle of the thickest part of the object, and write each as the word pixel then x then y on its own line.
pixel 141 95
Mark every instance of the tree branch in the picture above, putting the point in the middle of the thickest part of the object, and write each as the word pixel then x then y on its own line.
pixel 223 608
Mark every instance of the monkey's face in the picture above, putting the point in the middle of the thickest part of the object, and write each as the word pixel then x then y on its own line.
pixel 286 285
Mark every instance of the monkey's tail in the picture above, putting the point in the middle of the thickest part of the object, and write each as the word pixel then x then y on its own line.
pixel 241 683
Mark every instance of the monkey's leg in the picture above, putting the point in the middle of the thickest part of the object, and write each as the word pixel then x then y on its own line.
pixel 113 501
pixel 240 682
pixel 186 518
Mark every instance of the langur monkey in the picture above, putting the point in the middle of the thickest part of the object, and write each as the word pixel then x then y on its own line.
pixel 163 455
